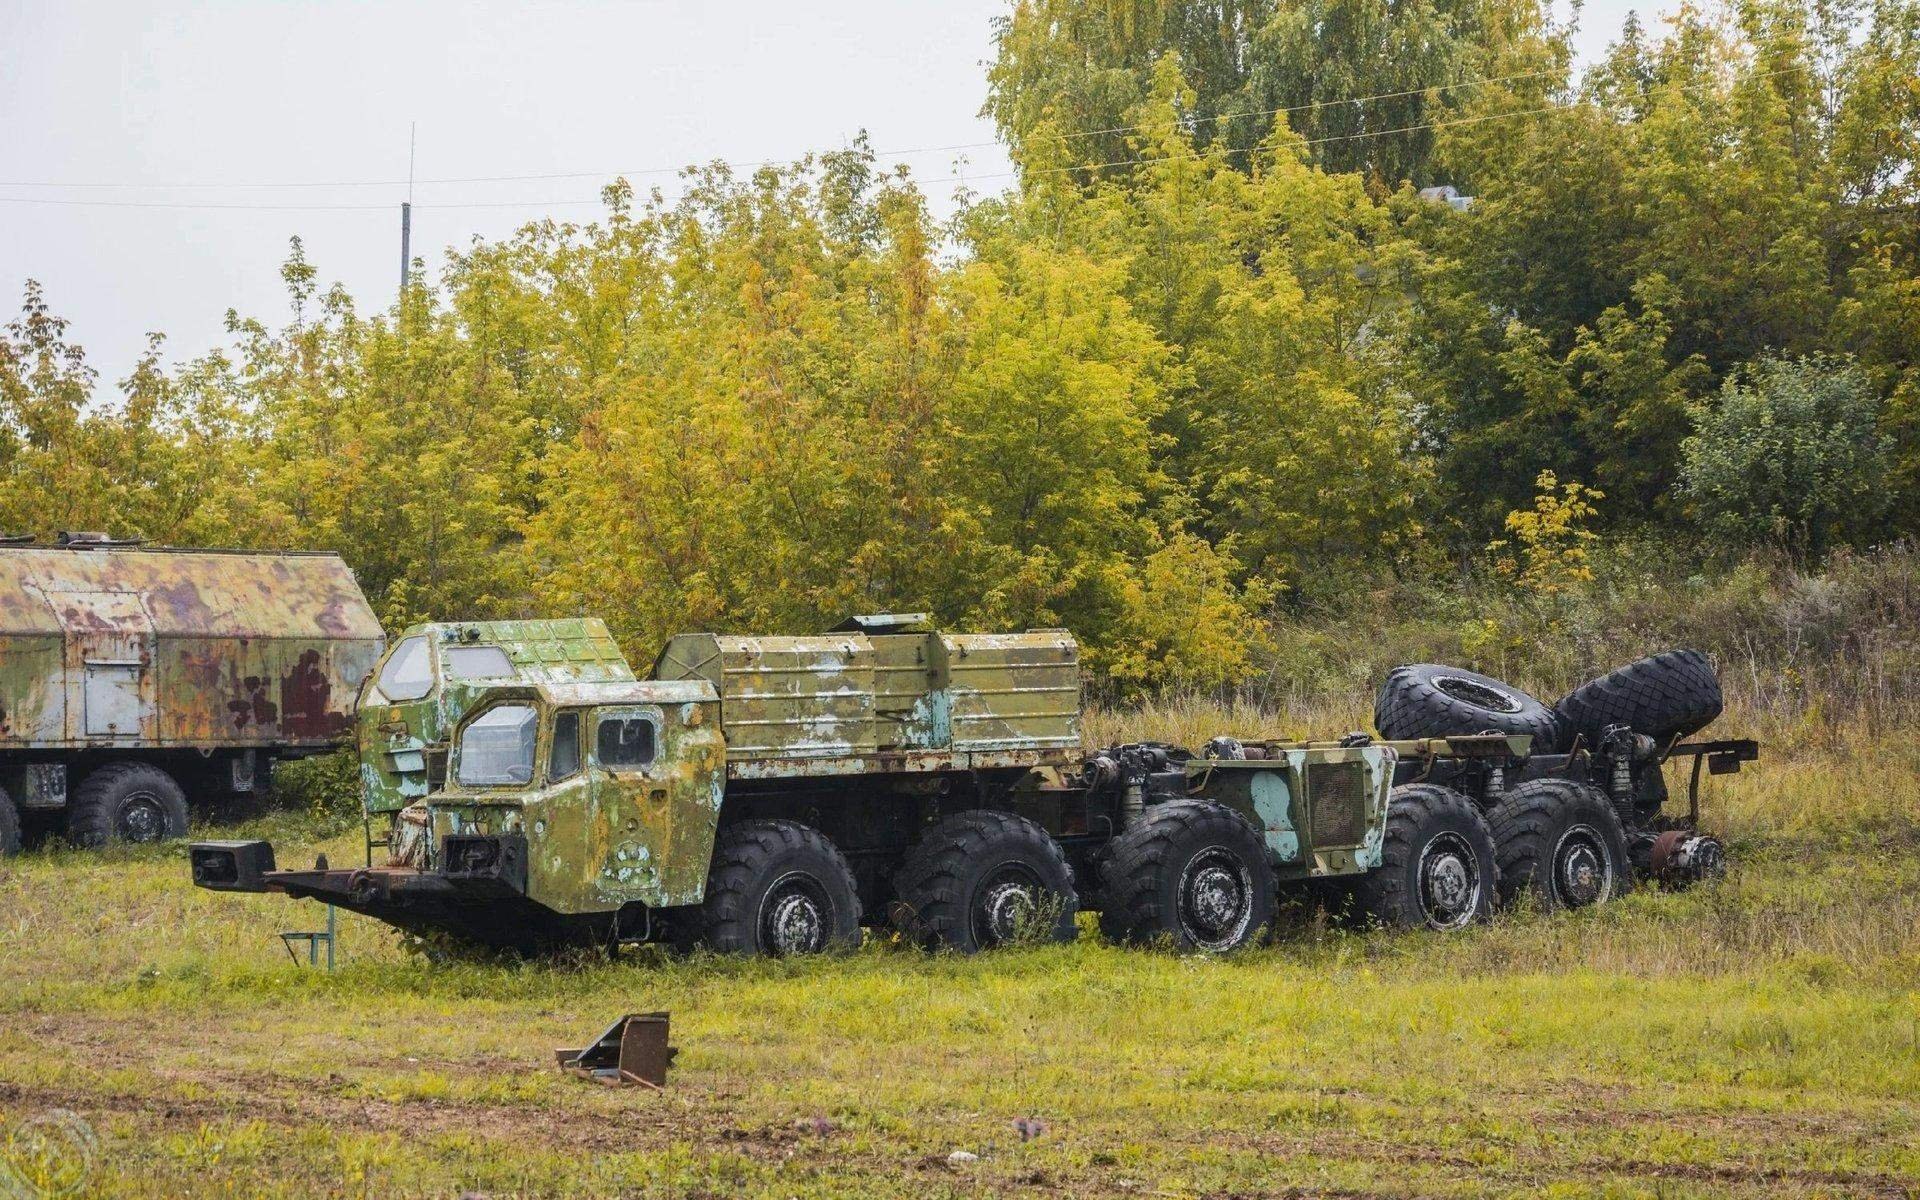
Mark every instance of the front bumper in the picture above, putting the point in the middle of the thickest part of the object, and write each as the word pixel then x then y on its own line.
pixel 481 868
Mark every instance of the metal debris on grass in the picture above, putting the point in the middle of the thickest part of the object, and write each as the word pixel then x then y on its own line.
pixel 633 1050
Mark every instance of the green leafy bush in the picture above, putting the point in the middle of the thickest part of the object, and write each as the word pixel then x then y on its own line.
pixel 1791 451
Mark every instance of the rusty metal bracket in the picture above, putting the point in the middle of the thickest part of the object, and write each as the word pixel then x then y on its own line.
pixel 633 1050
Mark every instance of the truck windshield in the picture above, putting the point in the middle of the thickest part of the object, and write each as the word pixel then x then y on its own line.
pixel 498 747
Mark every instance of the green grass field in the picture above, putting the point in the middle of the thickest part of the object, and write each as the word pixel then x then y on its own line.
pixel 1761 1037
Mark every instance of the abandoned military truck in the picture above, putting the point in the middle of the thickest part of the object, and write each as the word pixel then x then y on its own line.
pixel 773 795
pixel 135 679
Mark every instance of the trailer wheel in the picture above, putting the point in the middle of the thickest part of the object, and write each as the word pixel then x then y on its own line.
pixel 1437 867
pixel 777 888
pixel 9 826
pixel 982 879
pixel 1191 871
pixel 1560 842
pixel 126 802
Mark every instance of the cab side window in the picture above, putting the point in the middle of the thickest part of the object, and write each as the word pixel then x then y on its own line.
pixel 563 761
pixel 408 675
pixel 625 741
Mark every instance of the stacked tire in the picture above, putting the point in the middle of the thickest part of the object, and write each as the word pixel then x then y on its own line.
pixel 1662 696
pixel 1429 700
pixel 1557 843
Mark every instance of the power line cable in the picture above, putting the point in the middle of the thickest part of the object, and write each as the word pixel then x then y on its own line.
pixel 571 203
pixel 1372 133
pixel 757 163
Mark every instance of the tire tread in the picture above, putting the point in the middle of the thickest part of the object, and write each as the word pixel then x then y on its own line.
pixel 90 813
pixel 1381 894
pixel 1132 912
pixel 1409 706
pixel 1525 815
pixel 931 883
pixel 1662 695
pixel 740 857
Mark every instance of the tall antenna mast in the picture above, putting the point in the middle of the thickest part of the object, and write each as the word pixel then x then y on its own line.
pixel 406 214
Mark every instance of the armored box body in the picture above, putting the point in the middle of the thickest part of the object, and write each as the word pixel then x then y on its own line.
pixel 901 694
pixel 106 647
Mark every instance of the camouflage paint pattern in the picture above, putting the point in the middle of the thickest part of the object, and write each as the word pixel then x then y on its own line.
pixel 605 834
pixel 852 702
pixel 134 647
pixel 724 708
pixel 1321 808
pixel 403 742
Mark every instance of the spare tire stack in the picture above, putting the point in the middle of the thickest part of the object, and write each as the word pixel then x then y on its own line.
pixel 1662 696
pixel 1560 839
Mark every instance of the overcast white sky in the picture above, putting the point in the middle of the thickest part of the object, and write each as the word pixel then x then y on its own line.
pixel 227 95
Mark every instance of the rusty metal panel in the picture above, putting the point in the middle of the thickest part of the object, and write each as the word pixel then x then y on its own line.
pixel 784 697
pixel 1337 804
pixel 109 664
pixel 1014 690
pixel 903 762
pixel 911 704
pixel 258 691
pixel 33 688
pixel 134 646
pixel 845 697
pixel 567 650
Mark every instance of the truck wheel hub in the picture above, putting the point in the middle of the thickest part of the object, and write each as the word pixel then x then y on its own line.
pixel 1449 882
pixel 1216 900
pixel 1582 874
pixel 141 819
pixel 1007 907
pixel 795 920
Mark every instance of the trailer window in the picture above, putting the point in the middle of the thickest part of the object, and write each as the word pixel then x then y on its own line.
pixel 625 741
pixel 478 662
pixel 497 747
pixel 564 759
pixel 407 675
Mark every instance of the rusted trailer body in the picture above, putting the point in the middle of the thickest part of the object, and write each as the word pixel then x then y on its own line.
pixel 198 666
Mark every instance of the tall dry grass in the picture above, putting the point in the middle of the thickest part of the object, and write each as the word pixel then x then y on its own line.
pixel 1811 659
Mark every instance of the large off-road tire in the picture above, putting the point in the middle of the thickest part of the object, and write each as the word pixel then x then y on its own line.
pixel 126 802
pixel 1423 700
pixel 9 827
pixel 1437 867
pixel 777 888
pixel 1560 845
pixel 1191 872
pixel 1663 695
pixel 981 879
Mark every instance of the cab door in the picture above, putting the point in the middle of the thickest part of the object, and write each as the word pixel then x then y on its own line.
pixel 657 773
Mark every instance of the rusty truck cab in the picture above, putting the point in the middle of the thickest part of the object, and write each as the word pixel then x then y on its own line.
pixel 613 790
pixel 432 675
pixel 566 807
